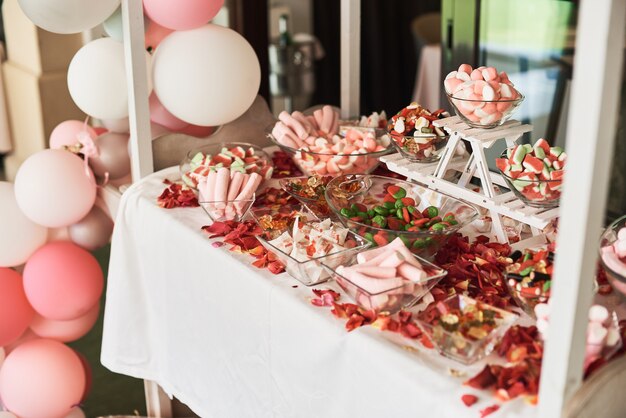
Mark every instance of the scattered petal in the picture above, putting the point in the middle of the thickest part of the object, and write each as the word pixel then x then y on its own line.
pixel 469 400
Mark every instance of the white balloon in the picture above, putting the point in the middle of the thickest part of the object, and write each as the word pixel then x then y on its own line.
pixel 120 126
pixel 113 25
pixel 68 16
pixel 76 412
pixel 207 76
pixel 96 79
pixel 20 236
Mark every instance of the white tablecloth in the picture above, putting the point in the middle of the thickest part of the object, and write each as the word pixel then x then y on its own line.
pixel 233 341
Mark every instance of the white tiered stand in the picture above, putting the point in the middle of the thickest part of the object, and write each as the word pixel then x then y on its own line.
pixel 489 197
pixel 591 131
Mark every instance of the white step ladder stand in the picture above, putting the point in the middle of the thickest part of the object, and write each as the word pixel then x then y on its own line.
pixel 489 197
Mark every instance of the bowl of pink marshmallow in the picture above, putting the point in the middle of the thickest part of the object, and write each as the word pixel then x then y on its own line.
pixel 613 254
pixel 482 97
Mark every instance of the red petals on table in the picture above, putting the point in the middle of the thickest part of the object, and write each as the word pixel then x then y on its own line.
pixel 474 269
pixel 284 166
pixel 177 195
pixel 242 237
pixel 469 400
pixel 325 297
pixel 489 410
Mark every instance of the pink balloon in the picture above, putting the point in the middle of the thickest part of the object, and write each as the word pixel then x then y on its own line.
pixel 88 375
pixel 160 115
pixel 59 234
pixel 155 33
pixel 66 133
pixel 199 131
pixel 93 231
pixel 62 281
pixel 53 189
pixel 42 378
pixel 65 331
pixel 28 335
pixel 15 311
pixel 182 14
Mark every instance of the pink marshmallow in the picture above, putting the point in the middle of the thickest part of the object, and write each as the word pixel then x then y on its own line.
pixel 476 74
pixel 235 185
pixel 412 273
pixel 465 68
pixel 372 285
pixel 221 184
pixel 375 272
pixel 489 74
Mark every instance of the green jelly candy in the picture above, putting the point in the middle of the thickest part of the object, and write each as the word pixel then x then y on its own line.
pixel 432 211
pixel 381 210
pixel 371 213
pixel 411 209
pixel 399 204
pixel 419 243
pixel 438 227
pixel 362 215
pixel 449 218
pixel 429 241
pixel 379 221
pixel 399 213
pixel 453 222
pixel 399 194
pixel 389 205
pixel 526 271
pixel 346 212
pixel 405 240
pixel 370 237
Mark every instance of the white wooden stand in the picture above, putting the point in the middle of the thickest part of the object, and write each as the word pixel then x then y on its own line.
pixel 498 204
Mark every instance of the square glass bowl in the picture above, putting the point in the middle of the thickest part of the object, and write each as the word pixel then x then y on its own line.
pixel 275 220
pixel 472 343
pixel 310 272
pixel 393 299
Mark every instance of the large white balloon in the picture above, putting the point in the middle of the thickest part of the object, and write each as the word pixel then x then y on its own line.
pixel 20 236
pixel 207 76
pixel 96 79
pixel 53 189
pixel 68 16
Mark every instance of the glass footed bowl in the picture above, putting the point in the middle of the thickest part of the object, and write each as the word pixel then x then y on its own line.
pixel 421 148
pixel 320 163
pixel 229 210
pixel 491 113
pixel 245 156
pixel 613 265
pixel 316 202
pixel 470 348
pixel 544 194
pixel 370 190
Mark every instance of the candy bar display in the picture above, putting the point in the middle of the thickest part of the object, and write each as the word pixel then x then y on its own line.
pixel 323 144
pixel 482 97
pixel 613 254
pixel 307 245
pixel 529 278
pixel 603 332
pixel 382 209
pixel 238 156
pixel 387 278
pixel 414 135
pixel 534 172
pixel 226 195
pixel 463 328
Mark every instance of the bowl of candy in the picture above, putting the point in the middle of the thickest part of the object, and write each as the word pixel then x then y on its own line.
pixel 309 190
pixel 481 97
pixel 275 220
pixel 414 135
pixel 322 144
pixel 386 279
pixel 465 329
pixel 529 278
pixel 308 244
pixel 534 173
pixel 226 194
pixel 613 254
pixel 381 209
pixel 238 156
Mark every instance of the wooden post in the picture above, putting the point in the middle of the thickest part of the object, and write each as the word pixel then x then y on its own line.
pixel 350 57
pixel 136 74
pixel 591 131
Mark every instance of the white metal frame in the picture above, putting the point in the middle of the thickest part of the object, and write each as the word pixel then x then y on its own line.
pixel 591 130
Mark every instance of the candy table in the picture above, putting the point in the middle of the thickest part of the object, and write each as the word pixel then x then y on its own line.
pixel 230 340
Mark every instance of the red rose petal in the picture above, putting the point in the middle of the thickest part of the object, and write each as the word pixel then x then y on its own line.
pixel 469 400
pixel 489 410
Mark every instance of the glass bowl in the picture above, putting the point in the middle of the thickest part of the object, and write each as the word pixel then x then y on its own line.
pixel 316 202
pixel 369 191
pixel 614 267
pixel 275 220
pixel 395 298
pixel 491 113
pixel 527 297
pixel 249 157
pixel 465 343
pixel 311 272
pixel 228 210
pixel 311 163
pixel 420 149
